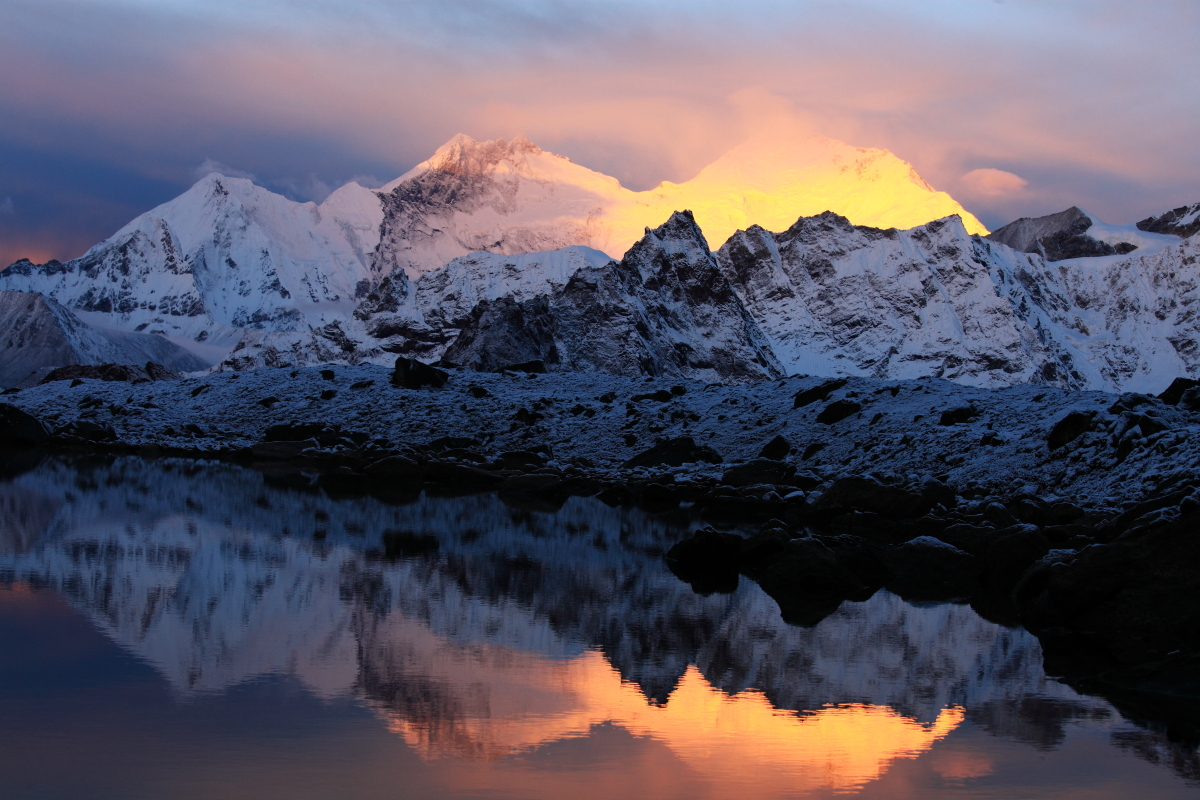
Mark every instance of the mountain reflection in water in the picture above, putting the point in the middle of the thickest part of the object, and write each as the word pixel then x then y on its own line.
pixel 489 635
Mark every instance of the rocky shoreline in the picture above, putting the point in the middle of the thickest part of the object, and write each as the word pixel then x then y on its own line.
pixel 1071 513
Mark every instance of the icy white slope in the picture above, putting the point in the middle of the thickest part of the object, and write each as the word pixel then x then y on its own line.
pixel 224 255
pixel 36 334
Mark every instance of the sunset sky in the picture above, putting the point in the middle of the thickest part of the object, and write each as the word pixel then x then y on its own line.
pixel 1014 107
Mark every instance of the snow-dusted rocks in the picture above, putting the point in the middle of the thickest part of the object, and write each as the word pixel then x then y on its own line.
pixel 1182 221
pixel 664 310
pixel 228 256
pixel 224 256
pixel 40 334
pixel 836 299
pixel 440 262
pixel 1077 234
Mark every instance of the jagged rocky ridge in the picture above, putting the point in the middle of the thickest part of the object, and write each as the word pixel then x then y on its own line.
pixel 1068 234
pixel 665 309
pixel 1183 221
pixel 250 279
pixel 39 334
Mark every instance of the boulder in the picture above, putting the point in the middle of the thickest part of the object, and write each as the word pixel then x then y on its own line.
pixel 867 494
pixel 522 459
pixel 661 396
pixel 958 415
pixel 708 560
pixel 809 581
pixel 674 453
pixel 411 374
pixel 279 451
pixel 453 443
pixel 1174 393
pixel 759 471
pixel 21 429
pixel 838 410
pixel 776 449
pixel 535 367
pixel 461 475
pixel 1009 553
pixel 1070 428
pixel 821 392
pixel 89 431
pixel 393 468
pixel 926 568
pixel 1133 602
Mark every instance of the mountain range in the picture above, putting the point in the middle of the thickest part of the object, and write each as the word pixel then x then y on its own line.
pixel 495 253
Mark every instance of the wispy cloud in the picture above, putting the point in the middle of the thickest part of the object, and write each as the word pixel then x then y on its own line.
pixel 210 166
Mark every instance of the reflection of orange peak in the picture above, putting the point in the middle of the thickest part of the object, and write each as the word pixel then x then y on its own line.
pixel 729 739
pixel 765 181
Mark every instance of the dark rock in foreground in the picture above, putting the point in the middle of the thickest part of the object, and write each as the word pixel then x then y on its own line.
pixel 675 453
pixel 20 429
pixel 412 374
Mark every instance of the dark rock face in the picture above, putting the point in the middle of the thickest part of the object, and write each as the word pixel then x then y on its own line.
pixel 412 374
pixel 665 309
pixel 674 453
pixel 1057 236
pixel 20 429
pixel 1183 221
pixel 111 372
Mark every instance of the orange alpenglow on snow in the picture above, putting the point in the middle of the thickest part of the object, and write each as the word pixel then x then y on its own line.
pixel 535 200
pixel 506 702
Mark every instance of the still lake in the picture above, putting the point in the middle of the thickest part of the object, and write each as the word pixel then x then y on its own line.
pixel 173 629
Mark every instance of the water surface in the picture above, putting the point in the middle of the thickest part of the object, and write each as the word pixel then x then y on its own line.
pixel 171 629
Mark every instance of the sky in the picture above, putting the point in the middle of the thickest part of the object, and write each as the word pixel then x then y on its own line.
pixel 1015 107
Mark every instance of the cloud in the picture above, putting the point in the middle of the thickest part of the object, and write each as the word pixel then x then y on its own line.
pixel 993 182
pixel 306 93
pixel 210 166
pixel 6 206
